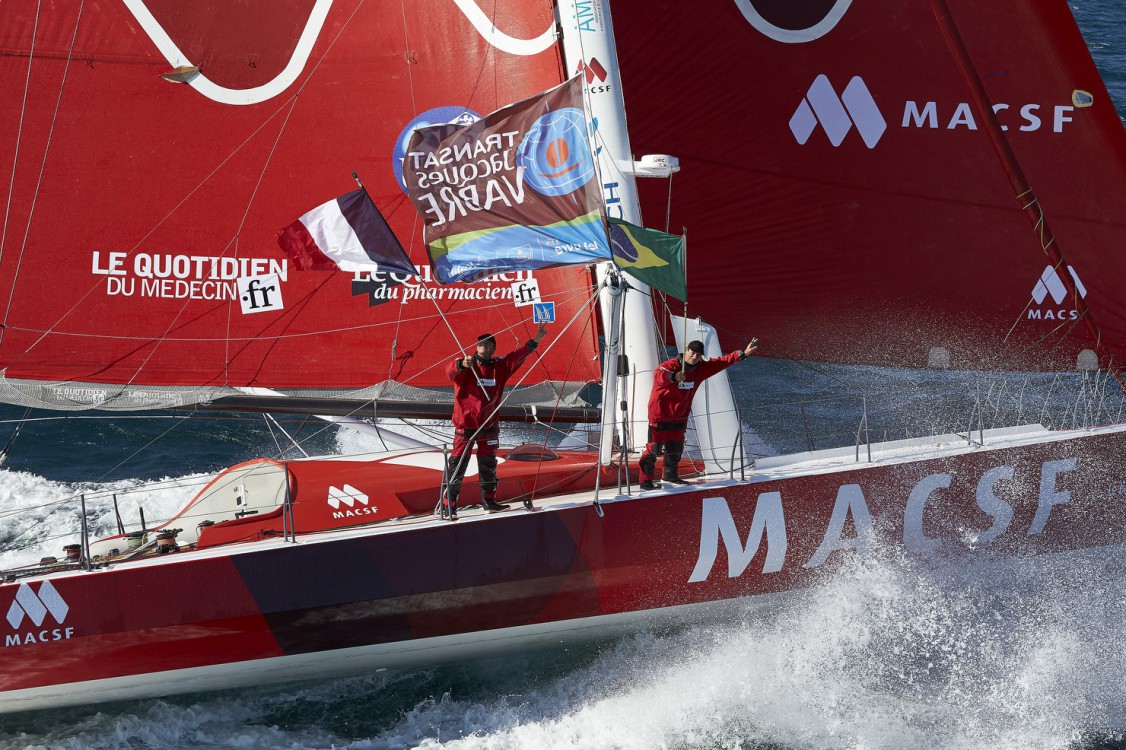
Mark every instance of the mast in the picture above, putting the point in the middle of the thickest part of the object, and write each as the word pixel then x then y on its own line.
pixel 589 48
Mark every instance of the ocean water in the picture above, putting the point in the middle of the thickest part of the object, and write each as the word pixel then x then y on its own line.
pixel 882 655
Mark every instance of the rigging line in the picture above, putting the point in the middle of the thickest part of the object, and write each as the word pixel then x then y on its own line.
pixel 59 504
pixel 1016 322
pixel 29 508
pixel 15 433
pixel 521 322
pixel 19 137
pixel 591 306
pixel 490 52
pixel 160 340
pixel 548 427
pixel 548 348
pixel 43 162
pixel 270 429
pixel 504 398
pixel 172 484
pixel 414 222
pixel 777 354
pixel 1059 341
pixel 597 134
pixel 141 241
pixel 271 337
pixel 668 208
pixel 1002 357
pixel 238 233
pixel 1010 165
pixel 297 445
pixel 292 105
pixel 460 348
pixel 262 176
pixel 289 102
pixel 144 447
pixel 399 315
pixel 106 417
pixel 407 56
pixel 502 330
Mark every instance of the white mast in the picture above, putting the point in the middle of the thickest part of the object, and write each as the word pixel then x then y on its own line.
pixel 588 46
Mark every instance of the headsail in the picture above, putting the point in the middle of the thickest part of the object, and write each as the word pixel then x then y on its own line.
pixel 134 203
pixel 845 201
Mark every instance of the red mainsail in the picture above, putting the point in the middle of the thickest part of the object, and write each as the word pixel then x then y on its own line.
pixel 134 203
pixel 843 197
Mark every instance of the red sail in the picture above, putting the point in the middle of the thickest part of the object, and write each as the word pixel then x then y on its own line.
pixel 843 197
pixel 136 201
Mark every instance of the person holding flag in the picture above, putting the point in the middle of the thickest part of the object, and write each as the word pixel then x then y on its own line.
pixel 670 402
pixel 479 382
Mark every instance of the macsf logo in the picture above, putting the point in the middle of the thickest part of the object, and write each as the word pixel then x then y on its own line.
pixel 34 607
pixel 592 71
pixel 1051 285
pixel 838 114
pixel 348 496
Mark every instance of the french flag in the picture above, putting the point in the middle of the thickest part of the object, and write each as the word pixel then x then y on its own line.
pixel 348 234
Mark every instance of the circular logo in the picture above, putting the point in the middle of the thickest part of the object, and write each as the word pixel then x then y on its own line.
pixel 436 116
pixel 555 153
pixel 793 23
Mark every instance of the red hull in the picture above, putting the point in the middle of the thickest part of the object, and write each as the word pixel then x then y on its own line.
pixel 394 587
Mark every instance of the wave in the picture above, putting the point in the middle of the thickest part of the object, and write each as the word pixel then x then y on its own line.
pixel 39 516
pixel 882 654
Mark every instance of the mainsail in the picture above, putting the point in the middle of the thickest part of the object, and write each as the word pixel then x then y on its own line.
pixel 152 150
pixel 844 198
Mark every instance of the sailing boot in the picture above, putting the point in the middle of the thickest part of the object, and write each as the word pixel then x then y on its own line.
pixel 672 464
pixel 649 484
pixel 673 478
pixel 490 504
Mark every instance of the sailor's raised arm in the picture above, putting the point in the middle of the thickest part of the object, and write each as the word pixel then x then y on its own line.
pixel 455 370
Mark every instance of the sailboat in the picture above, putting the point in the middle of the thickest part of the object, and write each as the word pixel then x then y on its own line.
pixel 149 174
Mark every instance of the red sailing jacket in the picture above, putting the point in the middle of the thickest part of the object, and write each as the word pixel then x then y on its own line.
pixel 671 401
pixel 475 404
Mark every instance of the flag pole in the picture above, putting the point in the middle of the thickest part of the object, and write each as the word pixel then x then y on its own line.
pixel 684 264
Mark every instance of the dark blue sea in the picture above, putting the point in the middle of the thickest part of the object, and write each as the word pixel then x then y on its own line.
pixel 880 657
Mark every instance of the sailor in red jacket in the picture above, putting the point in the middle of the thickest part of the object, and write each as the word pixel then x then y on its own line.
pixel 674 385
pixel 479 383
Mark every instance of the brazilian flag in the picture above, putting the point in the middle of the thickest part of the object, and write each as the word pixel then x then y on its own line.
pixel 650 256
